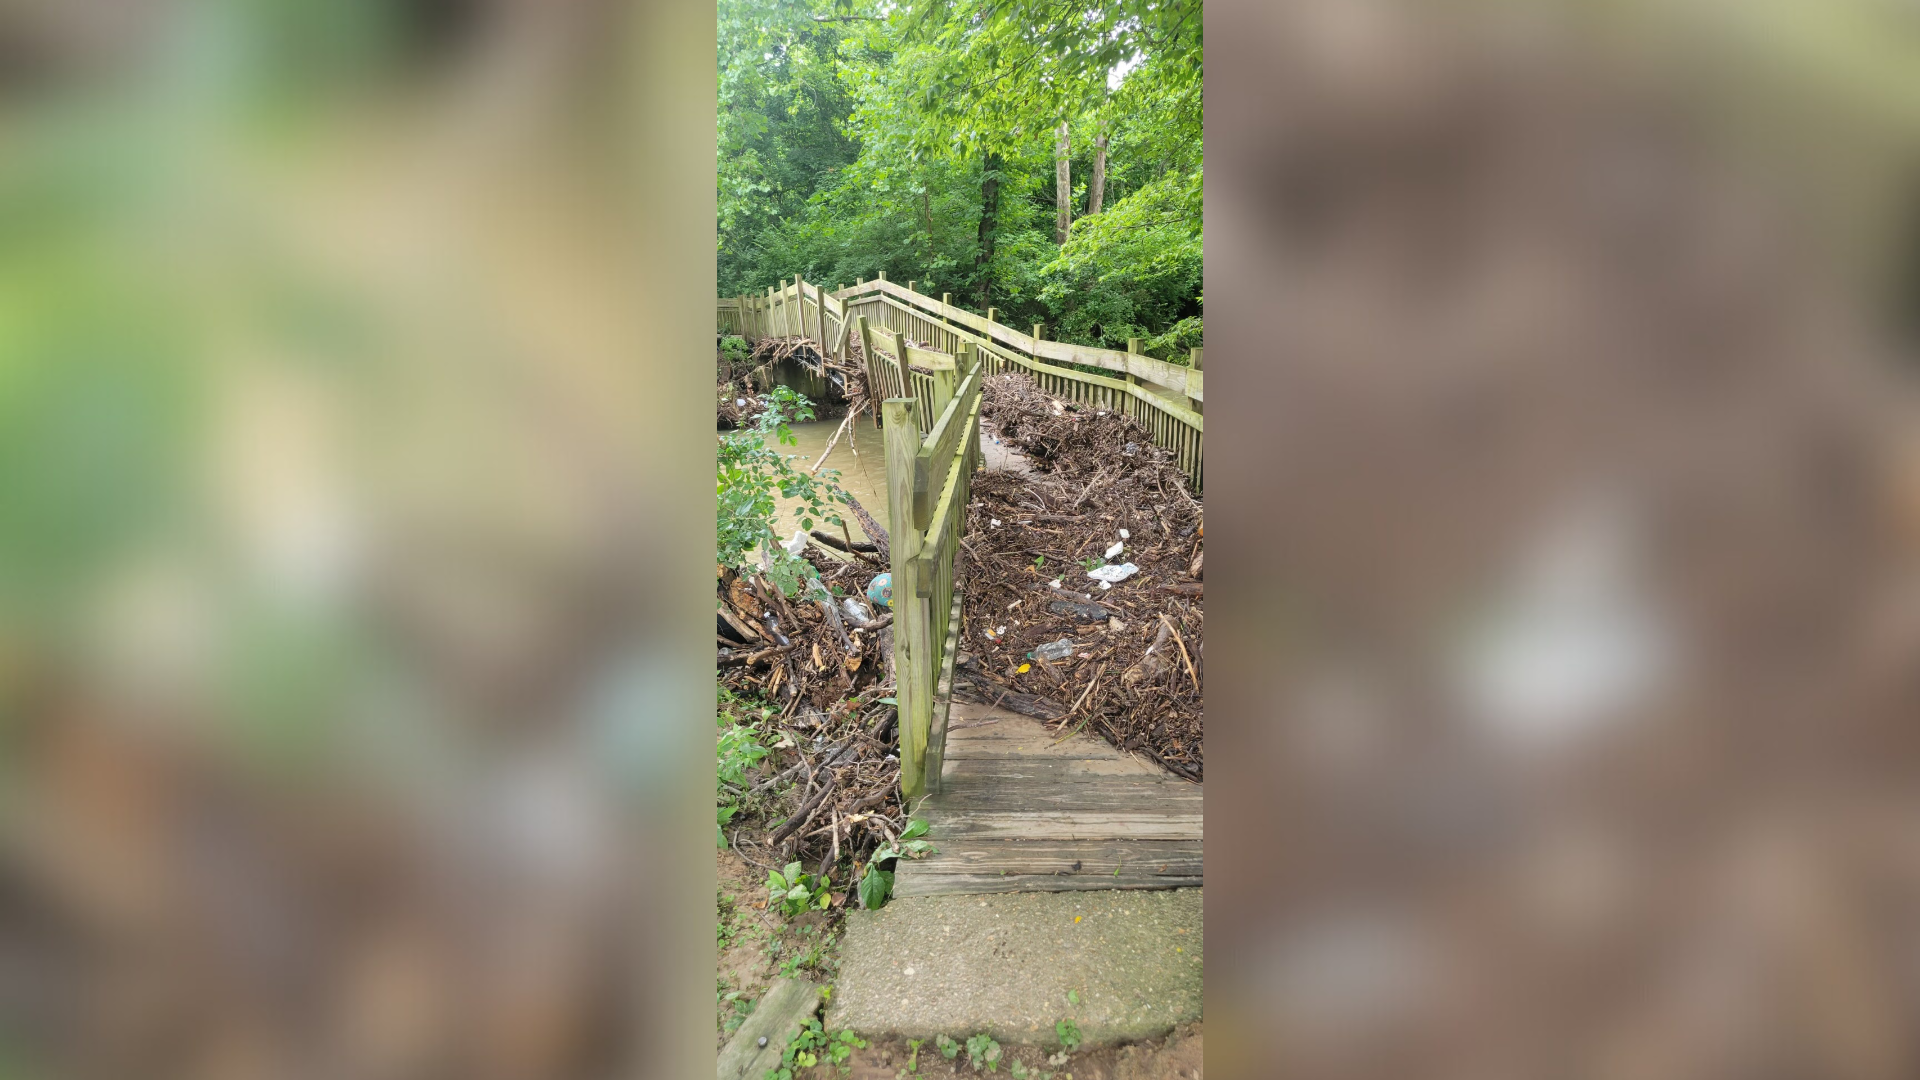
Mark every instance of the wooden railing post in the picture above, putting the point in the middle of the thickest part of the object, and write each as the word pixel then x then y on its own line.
pixel 912 651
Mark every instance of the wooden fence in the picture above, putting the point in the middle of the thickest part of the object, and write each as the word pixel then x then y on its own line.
pixel 929 481
pixel 1167 399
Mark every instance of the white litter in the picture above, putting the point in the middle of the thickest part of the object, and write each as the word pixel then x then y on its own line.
pixel 1115 549
pixel 1054 584
pixel 1125 535
pixel 741 402
pixel 1107 575
pixel 995 521
pixel 1106 585
pixel 796 545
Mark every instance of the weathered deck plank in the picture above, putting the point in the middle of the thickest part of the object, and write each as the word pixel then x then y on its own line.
pixel 1020 812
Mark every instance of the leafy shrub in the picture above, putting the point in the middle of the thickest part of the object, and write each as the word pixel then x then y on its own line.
pixel 751 476
pixel 795 891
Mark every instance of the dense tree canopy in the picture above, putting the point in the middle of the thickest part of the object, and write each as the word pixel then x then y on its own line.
pixel 921 139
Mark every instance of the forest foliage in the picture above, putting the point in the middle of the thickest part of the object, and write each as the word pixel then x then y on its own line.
pixel 920 139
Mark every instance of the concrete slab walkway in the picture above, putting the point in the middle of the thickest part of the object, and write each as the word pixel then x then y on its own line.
pixel 1005 964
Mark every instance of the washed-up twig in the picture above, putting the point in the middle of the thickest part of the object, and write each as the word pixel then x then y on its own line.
pixel 1177 640
pixel 1091 683
pixel 806 811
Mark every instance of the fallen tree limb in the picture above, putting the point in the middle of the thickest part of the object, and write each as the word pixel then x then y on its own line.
pixel 805 812
pixel 875 534
pixel 835 542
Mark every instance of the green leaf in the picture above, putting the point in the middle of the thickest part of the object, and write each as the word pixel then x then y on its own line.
pixel 875 887
pixel 916 827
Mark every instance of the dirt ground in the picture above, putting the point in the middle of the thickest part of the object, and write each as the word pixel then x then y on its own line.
pixel 1179 1056
pixel 756 948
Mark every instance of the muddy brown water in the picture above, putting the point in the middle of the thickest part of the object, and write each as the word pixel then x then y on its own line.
pixel 863 476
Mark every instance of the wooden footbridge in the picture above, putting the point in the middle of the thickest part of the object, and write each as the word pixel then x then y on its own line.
pixel 1010 807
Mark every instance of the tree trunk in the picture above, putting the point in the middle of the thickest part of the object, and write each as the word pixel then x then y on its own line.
pixel 989 213
pixel 1097 183
pixel 1062 189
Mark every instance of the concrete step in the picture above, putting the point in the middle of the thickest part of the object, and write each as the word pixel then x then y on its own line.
pixel 1005 964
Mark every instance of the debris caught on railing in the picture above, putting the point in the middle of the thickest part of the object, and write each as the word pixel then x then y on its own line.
pixel 1083 490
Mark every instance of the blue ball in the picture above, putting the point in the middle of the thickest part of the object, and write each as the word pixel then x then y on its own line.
pixel 880 590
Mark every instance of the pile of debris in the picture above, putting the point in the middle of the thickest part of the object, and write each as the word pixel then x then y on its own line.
pixel 823 660
pixel 1084 599
pixel 739 384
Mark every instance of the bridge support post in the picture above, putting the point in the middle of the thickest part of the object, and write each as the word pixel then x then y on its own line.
pixel 912 649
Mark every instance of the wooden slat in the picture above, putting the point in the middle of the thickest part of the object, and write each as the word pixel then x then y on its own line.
pixel 1095 858
pixel 1141 824
pixel 1057 769
pixel 937 451
pixel 943 701
pixel 1109 796
pixel 911 883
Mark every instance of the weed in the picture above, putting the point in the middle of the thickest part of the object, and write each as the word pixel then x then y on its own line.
pixel 811 1045
pixel 1069 1033
pixel 877 885
pixel 983 1051
pixel 796 891
pixel 913 1058
pixel 813 956
pixel 737 749
pixel 735 349
pixel 1092 562
pixel 733 1006
pixel 948 1048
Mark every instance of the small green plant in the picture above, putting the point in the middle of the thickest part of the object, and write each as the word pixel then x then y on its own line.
pixel 733 1005
pixel 913 1058
pixel 877 884
pixel 1092 563
pixel 1069 1033
pixel 811 1045
pixel 737 749
pixel 797 891
pixel 811 956
pixel 735 349
pixel 1039 561
pixel 947 1047
pixel 983 1052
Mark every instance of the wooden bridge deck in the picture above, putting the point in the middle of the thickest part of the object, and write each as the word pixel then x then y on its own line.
pixel 1017 813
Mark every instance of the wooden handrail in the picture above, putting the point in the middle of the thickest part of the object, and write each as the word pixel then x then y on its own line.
pixel 941 442
pixel 1186 381
pixel 1179 412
